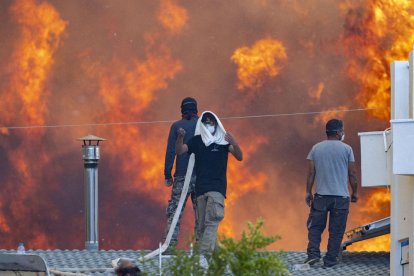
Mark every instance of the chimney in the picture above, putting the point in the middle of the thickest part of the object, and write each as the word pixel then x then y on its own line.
pixel 90 155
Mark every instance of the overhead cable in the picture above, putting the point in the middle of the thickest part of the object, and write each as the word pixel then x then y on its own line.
pixel 170 121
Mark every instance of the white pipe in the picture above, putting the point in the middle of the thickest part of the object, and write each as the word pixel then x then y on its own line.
pixel 63 273
pixel 177 213
pixel 160 259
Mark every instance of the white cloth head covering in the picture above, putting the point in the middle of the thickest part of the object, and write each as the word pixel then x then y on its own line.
pixel 206 136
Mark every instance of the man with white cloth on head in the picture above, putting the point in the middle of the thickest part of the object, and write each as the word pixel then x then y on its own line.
pixel 210 145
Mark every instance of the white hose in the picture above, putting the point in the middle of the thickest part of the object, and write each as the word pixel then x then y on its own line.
pixel 177 213
pixel 65 273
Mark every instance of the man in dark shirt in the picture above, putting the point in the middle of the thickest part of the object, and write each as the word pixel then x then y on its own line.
pixel 188 122
pixel 210 145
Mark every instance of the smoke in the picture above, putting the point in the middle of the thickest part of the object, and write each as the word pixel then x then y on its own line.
pixel 117 62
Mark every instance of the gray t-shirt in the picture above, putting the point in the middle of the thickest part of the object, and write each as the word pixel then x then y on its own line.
pixel 331 159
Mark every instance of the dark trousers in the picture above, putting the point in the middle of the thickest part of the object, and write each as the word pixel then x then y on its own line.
pixel 338 209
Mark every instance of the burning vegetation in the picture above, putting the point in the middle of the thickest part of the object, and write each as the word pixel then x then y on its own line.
pixel 120 69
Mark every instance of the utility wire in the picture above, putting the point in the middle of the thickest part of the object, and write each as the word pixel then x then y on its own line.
pixel 170 121
pixel 299 113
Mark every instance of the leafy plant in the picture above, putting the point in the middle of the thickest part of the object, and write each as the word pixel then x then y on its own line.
pixel 243 257
pixel 183 263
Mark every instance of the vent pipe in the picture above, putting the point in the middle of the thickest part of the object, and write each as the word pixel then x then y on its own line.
pixel 90 155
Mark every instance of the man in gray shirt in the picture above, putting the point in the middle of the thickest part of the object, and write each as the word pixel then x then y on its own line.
pixel 332 164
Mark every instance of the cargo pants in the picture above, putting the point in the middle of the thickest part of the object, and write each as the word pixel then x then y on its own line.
pixel 210 211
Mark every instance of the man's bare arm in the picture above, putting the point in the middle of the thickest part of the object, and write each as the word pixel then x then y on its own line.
pixel 309 182
pixel 180 147
pixel 234 148
pixel 353 181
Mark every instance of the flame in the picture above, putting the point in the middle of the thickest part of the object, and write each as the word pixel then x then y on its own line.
pixel 378 202
pixel 4 131
pixel 41 29
pixel 240 184
pixel 134 86
pixel 317 93
pixel 257 64
pixel 329 114
pixel 171 16
pixel 135 89
pixel 41 240
pixel 133 74
pixel 4 227
pixel 25 98
pixel 371 47
pixel 376 206
pixel 381 243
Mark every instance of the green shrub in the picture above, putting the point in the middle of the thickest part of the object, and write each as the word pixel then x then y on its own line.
pixel 241 257
pixel 182 263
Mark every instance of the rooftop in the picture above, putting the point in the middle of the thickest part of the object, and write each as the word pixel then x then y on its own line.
pixel 99 262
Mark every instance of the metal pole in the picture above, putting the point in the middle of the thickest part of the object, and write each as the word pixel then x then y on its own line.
pixel 91 158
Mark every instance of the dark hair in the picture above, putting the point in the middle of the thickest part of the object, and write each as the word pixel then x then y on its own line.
pixel 210 116
pixel 129 271
pixel 188 105
pixel 333 126
pixel 127 268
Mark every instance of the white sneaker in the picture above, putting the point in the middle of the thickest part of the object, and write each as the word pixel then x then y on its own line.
pixel 203 262
pixel 228 270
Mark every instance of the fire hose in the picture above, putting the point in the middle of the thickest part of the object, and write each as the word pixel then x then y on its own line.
pixel 177 213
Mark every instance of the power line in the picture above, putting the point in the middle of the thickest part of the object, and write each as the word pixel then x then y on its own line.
pixel 299 113
pixel 170 121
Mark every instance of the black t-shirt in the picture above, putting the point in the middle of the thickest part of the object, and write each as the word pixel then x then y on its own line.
pixel 211 166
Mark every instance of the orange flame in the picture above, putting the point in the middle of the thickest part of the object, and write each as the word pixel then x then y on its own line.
pixel 317 93
pixel 262 61
pixel 31 62
pixel 377 206
pixel 4 227
pixel 371 47
pixel 41 29
pixel 171 16
pixel 134 88
pixel 329 114
pixel 378 202
pixel 381 243
pixel 130 89
pixel 240 184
